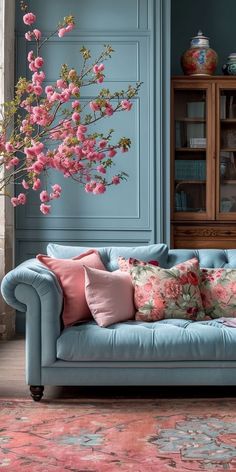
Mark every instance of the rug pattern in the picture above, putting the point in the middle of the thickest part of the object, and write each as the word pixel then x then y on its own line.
pixel 148 435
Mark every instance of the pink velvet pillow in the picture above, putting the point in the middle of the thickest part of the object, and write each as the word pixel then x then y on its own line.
pixel 109 296
pixel 70 273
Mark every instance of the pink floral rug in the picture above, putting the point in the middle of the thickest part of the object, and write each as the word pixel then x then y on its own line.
pixel 118 435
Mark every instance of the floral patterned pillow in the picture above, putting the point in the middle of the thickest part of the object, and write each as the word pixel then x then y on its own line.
pixel 126 264
pixel 218 292
pixel 167 293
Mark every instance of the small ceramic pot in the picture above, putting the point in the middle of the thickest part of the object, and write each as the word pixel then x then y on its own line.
pixel 199 59
pixel 230 67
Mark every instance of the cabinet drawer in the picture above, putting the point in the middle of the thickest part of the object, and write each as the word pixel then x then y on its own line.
pixel 201 237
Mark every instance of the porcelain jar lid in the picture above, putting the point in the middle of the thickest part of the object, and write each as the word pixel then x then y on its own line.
pixel 232 56
pixel 200 41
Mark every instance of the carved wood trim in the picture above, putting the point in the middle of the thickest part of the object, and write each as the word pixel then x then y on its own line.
pixel 194 232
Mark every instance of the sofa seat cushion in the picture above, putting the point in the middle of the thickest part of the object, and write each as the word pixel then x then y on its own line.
pixel 165 340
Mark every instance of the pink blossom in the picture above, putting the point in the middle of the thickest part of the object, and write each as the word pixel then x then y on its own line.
pixel 21 198
pixel 9 147
pixel 37 167
pixel 65 96
pixel 101 169
pixel 38 62
pixel 61 83
pixel 49 89
pixel 112 152
pixel 14 201
pixel 124 149
pixel 108 109
pixel 15 161
pixel 98 68
pixel 28 35
pixel 29 18
pixel 90 186
pixel 30 56
pixel 72 74
pixel 94 106
pixel 44 197
pixel 126 105
pixel 61 32
pixel 30 89
pixel 36 184
pixel 32 67
pixel 102 144
pixel 100 79
pixel 75 104
pixel 38 90
pixel 115 180
pixel 37 34
pixel 75 116
pixel 100 188
pixel 38 77
pixel 25 184
pixel 54 97
pixel 56 188
pixel 45 209
pixel 70 27
pixel 82 129
pixel 75 90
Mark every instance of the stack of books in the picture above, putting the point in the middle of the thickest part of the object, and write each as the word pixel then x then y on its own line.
pixel 197 142
pixel 181 201
pixel 190 170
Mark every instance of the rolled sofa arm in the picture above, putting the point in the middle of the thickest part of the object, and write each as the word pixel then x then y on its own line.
pixel 34 289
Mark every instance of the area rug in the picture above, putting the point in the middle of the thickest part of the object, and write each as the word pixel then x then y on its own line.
pixel 135 435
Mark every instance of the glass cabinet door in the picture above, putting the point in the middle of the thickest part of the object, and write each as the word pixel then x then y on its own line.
pixel 190 151
pixel 226 153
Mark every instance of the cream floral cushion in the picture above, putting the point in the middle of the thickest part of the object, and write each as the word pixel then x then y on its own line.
pixel 218 291
pixel 167 293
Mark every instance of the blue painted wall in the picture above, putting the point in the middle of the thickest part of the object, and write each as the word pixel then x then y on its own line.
pixel 134 213
pixel 216 18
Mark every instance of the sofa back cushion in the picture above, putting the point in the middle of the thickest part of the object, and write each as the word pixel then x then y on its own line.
pixel 109 255
pixel 70 273
pixel 109 296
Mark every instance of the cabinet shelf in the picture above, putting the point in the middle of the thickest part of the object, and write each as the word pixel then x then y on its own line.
pixel 189 149
pixel 189 182
pixel 228 120
pixel 191 120
pixel 228 182
pixel 228 149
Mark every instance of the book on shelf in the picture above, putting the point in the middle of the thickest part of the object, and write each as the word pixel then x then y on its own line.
pixel 223 107
pixel 197 142
pixel 196 109
pixel 194 131
pixel 181 201
pixel 190 170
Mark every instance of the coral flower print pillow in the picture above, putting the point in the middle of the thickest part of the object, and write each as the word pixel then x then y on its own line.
pixel 167 293
pixel 218 291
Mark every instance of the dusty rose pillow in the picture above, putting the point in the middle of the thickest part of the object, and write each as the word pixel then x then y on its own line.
pixel 218 291
pixel 109 296
pixel 70 273
pixel 167 293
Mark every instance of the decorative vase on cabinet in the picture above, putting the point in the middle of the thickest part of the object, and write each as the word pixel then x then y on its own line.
pixel 203 162
pixel 199 59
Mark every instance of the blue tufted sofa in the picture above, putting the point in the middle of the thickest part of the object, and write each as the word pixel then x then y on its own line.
pixel 167 352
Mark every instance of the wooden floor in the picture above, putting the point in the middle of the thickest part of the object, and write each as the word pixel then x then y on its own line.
pixel 12 383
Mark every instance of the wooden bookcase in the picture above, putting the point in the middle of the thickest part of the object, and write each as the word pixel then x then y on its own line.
pixel 203 162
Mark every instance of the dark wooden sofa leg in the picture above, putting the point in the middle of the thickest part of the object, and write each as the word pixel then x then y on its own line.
pixel 36 392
